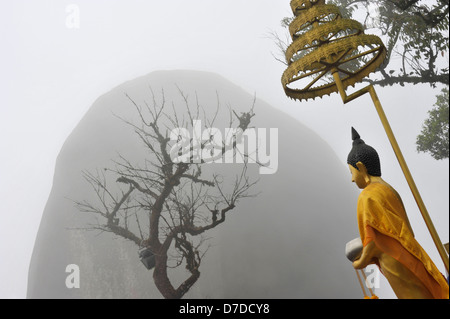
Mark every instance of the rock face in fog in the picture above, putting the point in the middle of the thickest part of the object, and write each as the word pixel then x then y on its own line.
pixel 286 243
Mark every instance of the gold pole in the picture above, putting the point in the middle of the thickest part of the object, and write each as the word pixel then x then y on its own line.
pixel 360 283
pixel 365 280
pixel 370 89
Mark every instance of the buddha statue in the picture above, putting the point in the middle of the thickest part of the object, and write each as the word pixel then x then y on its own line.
pixel 386 234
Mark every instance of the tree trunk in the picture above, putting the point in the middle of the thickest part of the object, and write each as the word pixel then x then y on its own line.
pixel 161 279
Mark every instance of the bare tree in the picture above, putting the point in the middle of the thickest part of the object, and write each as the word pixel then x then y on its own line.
pixel 166 206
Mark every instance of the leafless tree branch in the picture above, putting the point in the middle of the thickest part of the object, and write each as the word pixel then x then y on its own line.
pixel 166 202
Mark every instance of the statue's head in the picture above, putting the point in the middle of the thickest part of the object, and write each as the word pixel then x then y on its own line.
pixel 363 161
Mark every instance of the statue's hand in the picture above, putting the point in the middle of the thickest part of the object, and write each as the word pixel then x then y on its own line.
pixel 359 264
pixel 369 253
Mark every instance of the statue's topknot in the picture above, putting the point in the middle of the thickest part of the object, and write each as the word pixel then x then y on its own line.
pixel 361 152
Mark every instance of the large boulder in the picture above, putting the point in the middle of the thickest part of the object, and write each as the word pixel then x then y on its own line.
pixel 288 242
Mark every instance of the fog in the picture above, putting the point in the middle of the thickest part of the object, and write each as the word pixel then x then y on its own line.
pixel 52 74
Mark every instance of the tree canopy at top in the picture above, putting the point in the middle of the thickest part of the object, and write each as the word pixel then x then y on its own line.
pixel 415 34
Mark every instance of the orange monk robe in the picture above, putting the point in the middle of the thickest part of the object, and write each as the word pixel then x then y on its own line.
pixel 382 219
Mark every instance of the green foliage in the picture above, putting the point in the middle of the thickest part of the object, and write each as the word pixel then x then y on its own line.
pixel 415 33
pixel 416 36
pixel 434 137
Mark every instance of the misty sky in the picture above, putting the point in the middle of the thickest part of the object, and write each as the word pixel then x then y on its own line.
pixel 52 73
